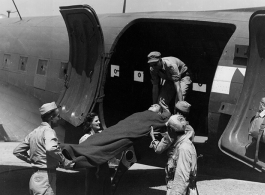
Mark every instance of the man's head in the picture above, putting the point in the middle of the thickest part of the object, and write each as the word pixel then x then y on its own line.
pixel 262 104
pixel 155 108
pixel 183 107
pixel 50 113
pixel 176 125
pixel 154 59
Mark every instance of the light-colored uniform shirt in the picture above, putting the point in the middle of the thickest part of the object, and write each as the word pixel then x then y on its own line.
pixel 186 166
pixel 172 70
pixel 87 135
pixel 44 151
pixel 185 156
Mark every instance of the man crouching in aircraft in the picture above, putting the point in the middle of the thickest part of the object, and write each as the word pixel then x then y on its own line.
pixel 181 167
pixel 44 152
pixel 175 76
pixel 103 146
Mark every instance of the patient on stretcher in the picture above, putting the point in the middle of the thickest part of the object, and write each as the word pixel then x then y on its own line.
pixel 101 147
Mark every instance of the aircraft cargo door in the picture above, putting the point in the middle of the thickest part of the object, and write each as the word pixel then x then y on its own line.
pixel 86 62
pixel 235 140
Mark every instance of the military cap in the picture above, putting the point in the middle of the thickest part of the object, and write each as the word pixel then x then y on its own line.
pixel 47 107
pixel 177 123
pixel 154 56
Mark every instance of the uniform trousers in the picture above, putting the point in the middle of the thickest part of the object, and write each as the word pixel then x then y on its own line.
pixel 43 182
pixel 168 91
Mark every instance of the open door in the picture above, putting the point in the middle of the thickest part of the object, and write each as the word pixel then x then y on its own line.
pixel 85 61
pixel 235 140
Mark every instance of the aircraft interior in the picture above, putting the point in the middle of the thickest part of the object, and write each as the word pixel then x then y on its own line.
pixel 198 44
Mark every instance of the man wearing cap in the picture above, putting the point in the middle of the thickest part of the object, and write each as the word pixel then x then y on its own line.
pixel 44 153
pixel 257 120
pixel 170 76
pixel 182 109
pixel 181 168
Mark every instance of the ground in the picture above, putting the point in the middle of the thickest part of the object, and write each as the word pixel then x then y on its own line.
pixel 219 176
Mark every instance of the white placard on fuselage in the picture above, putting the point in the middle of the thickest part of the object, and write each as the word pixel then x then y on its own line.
pixel 115 71
pixel 139 76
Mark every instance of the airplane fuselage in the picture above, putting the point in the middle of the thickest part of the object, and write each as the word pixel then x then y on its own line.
pixel 34 56
pixel 87 62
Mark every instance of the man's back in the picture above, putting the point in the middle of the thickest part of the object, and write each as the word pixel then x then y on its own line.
pixel 172 61
pixel 37 147
pixel 186 168
pixel 39 142
pixel 44 152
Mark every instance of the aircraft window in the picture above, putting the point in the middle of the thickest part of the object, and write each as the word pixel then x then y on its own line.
pixel 63 70
pixel 23 63
pixel 241 51
pixel 42 67
pixel 241 55
pixel 7 60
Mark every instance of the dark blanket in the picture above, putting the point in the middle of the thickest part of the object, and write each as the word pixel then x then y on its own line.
pixel 101 147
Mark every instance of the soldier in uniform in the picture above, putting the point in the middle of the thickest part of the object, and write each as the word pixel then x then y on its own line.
pixel 170 76
pixel 181 168
pixel 44 152
pixel 182 109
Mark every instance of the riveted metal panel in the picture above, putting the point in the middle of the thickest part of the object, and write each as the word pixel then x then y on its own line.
pixel 85 62
pixel 235 140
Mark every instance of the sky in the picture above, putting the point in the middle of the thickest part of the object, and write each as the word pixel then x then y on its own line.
pixel 51 7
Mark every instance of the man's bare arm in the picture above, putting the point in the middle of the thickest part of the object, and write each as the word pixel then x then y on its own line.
pixel 179 96
pixel 166 113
